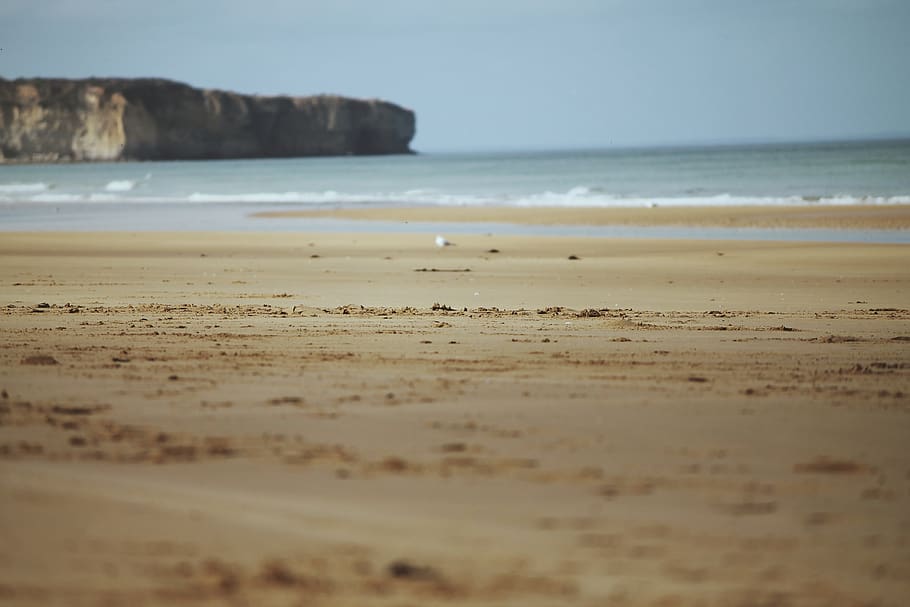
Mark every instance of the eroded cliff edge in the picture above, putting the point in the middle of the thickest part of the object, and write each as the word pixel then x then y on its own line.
pixel 57 120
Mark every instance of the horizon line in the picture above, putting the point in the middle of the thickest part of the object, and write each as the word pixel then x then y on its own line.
pixel 680 144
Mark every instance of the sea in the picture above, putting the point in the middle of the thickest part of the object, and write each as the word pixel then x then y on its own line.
pixel 224 195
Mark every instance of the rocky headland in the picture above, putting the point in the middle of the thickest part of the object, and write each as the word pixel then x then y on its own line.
pixel 110 119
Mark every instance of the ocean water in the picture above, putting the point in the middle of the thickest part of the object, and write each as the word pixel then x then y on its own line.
pixel 221 195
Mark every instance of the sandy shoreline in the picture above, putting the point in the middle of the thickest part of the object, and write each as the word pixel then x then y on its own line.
pixel 884 217
pixel 285 418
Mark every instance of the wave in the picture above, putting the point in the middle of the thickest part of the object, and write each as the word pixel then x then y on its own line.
pixel 722 200
pixel 20 188
pixel 583 190
pixel 120 185
pixel 331 197
pixel 104 198
pixel 579 196
pixel 575 197
pixel 57 198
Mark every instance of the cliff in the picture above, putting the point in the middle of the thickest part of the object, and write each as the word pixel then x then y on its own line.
pixel 54 120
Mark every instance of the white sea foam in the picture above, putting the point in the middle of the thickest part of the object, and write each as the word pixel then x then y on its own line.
pixel 120 185
pixel 57 198
pixel 575 197
pixel 581 197
pixel 104 198
pixel 578 197
pixel 19 188
pixel 579 191
pixel 410 197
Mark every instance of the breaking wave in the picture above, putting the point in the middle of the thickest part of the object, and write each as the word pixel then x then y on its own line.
pixel 120 185
pixel 57 198
pixel 21 188
pixel 124 191
pixel 580 196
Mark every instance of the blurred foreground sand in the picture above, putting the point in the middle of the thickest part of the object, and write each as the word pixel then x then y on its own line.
pixel 284 419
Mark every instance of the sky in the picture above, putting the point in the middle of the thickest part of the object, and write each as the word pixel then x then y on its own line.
pixel 511 74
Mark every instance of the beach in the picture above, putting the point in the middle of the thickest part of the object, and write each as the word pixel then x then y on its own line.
pixel 852 216
pixel 329 418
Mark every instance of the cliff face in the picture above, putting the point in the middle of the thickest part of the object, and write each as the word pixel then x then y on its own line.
pixel 52 120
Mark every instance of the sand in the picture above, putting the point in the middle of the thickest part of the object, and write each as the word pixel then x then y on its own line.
pixel 870 217
pixel 331 419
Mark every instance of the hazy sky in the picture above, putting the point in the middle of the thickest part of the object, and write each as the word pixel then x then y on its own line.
pixel 487 74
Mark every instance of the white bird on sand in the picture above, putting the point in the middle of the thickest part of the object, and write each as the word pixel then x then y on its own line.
pixel 442 242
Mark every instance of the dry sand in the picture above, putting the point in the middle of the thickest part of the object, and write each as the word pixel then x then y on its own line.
pixel 284 419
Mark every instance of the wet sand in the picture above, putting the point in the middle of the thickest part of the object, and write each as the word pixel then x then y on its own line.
pixel 330 419
pixel 869 217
